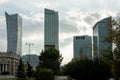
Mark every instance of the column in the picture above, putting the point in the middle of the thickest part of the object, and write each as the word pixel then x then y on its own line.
pixel 6 67
pixel 3 67
pixel 10 67
pixel 0 68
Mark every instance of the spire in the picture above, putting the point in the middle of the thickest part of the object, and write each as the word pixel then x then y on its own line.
pixel 6 13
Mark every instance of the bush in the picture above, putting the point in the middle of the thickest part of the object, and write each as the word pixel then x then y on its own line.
pixel 44 74
pixel 5 73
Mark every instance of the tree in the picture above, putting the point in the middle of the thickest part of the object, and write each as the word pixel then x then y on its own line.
pixel 21 75
pixel 84 69
pixel 112 57
pixel 50 59
pixel 29 70
pixel 44 74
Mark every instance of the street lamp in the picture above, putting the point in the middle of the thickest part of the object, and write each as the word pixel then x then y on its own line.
pixel 29 46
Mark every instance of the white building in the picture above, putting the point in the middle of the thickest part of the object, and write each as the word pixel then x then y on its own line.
pixel 82 46
pixel 51 29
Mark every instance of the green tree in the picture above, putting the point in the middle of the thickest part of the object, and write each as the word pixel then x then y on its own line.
pixel 44 74
pixel 84 69
pixel 21 74
pixel 50 59
pixel 112 57
pixel 29 70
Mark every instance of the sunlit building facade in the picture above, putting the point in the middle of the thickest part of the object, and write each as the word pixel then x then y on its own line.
pixel 82 46
pixel 100 32
pixel 14 33
pixel 51 29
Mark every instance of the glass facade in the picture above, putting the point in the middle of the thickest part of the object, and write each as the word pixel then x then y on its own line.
pixel 14 33
pixel 100 32
pixel 82 46
pixel 51 29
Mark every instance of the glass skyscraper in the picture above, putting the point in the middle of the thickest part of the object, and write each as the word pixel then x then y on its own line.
pixel 51 29
pixel 100 31
pixel 82 46
pixel 14 33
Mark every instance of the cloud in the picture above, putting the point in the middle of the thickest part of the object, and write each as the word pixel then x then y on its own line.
pixel 33 17
pixel 3 1
pixel 32 24
pixel 66 42
pixel 68 27
pixel 41 4
pixel 2 22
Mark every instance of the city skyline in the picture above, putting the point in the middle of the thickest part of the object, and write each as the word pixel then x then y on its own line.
pixel 77 18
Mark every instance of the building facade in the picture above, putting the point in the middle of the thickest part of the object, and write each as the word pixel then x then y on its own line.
pixel 51 29
pixel 100 32
pixel 9 63
pixel 14 33
pixel 82 46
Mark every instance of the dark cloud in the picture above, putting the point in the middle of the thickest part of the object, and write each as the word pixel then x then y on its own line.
pixel 29 28
pixel 66 42
pixel 68 27
pixel 91 18
pixel 96 15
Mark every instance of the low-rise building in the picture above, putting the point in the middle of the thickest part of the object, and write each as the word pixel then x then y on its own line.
pixel 9 62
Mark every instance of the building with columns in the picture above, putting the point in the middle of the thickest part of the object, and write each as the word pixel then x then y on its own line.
pixel 9 62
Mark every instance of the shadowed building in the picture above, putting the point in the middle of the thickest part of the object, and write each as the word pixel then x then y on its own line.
pixel 9 63
pixel 51 29
pixel 14 33
pixel 82 46
pixel 100 32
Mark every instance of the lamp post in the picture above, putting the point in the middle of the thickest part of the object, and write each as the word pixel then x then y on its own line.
pixel 29 46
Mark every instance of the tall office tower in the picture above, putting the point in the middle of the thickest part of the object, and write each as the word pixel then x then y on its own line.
pixel 14 33
pixel 100 32
pixel 51 29
pixel 82 46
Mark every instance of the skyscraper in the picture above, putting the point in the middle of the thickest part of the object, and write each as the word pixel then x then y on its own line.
pixel 51 29
pixel 100 32
pixel 82 46
pixel 14 33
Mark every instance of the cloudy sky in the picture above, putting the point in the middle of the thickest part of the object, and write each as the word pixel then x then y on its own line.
pixel 76 17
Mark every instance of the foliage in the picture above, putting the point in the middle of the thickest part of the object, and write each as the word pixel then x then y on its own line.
pixel 113 58
pixel 29 70
pixel 21 75
pixel 87 70
pixel 8 79
pixel 51 59
pixel 44 74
